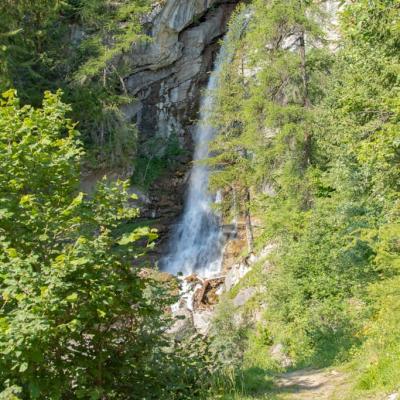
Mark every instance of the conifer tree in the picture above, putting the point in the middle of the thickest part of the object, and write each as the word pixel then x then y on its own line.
pixel 314 135
pixel 38 52
pixel 264 104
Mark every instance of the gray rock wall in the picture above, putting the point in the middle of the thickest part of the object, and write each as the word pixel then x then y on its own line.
pixel 168 73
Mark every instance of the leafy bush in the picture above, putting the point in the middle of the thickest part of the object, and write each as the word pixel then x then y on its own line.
pixel 76 318
pixel 311 139
pixel 157 156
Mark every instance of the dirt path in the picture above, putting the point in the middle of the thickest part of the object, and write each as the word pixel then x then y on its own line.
pixel 312 385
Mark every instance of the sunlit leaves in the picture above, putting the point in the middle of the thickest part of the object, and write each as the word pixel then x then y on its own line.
pixel 71 302
pixel 336 221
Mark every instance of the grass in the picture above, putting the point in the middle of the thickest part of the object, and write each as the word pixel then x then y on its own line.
pixel 252 279
pixel 251 384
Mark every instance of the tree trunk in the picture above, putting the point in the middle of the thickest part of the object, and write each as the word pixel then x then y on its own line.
pixel 306 98
pixel 249 226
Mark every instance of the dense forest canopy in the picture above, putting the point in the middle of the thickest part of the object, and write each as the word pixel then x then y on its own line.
pixel 74 45
pixel 307 155
pixel 309 140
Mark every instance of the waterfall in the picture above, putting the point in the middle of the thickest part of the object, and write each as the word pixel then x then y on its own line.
pixel 197 242
pixel 196 245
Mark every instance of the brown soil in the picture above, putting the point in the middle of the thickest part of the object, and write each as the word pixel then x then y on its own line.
pixel 312 385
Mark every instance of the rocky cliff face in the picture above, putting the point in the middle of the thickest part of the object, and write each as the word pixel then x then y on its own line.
pixel 168 73
pixel 165 80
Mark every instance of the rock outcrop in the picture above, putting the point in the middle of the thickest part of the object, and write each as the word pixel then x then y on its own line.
pixel 200 297
pixel 195 309
pixel 168 72
pixel 165 79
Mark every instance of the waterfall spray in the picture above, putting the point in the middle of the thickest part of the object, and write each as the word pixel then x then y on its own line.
pixel 196 244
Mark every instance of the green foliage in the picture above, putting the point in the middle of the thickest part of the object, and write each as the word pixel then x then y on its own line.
pixel 24 39
pixel 264 113
pixel 263 106
pixel 11 393
pixel 377 364
pixel 76 319
pixel 241 348
pixel 115 26
pixel 228 336
pixel 76 45
pixel 308 145
pixel 313 136
pixel 96 87
pixel 157 156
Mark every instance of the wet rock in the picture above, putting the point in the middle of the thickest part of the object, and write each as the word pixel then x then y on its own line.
pixel 202 321
pixel 193 279
pixel 207 294
pixel 195 308
pixel 229 231
pixel 235 247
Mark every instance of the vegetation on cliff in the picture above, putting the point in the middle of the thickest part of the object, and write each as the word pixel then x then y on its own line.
pixel 307 156
pixel 76 46
pixel 309 143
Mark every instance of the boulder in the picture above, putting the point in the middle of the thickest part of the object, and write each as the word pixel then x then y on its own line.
pixel 278 354
pixel 235 274
pixel 183 325
pixel 207 294
pixel 202 321
pixel 244 296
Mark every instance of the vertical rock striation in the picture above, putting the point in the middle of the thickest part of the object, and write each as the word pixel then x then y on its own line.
pixel 165 79
pixel 168 73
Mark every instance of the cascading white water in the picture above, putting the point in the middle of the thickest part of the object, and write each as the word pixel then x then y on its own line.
pixel 197 242
pixel 196 245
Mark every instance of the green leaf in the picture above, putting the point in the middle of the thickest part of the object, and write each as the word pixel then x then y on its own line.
pixel 80 261
pixel 4 213
pixel 26 199
pixel 23 367
pixel 12 253
pixel 4 324
pixel 134 236
pixel 77 200
pixel 72 298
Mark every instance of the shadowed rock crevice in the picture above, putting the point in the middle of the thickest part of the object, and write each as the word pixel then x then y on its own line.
pixel 169 72
pixel 166 77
